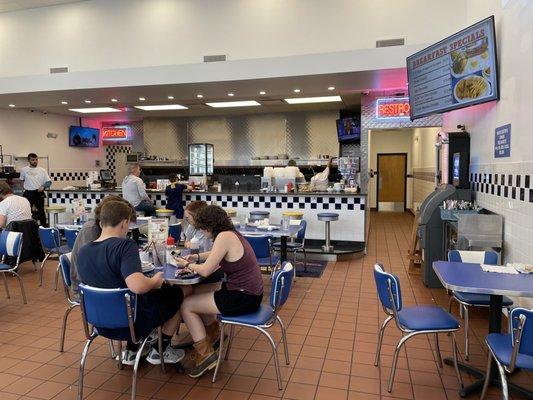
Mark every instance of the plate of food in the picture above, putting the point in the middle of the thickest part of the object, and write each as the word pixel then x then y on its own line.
pixel 462 64
pixel 522 268
pixel 471 88
pixel 268 227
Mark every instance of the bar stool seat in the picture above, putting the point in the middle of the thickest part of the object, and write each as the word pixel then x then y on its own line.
pixel 164 213
pixel 259 215
pixel 327 217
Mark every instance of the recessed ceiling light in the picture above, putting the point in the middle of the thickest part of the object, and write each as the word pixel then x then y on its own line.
pixel 262 92
pixel 162 107
pixel 245 103
pixel 170 97
pixel 95 110
pixel 88 101
pixel 114 100
pixel 331 88
pixel 231 94
pixel 304 100
pixel 64 102
pixel 11 105
pixel 142 99
pixel 297 90
pixel 200 96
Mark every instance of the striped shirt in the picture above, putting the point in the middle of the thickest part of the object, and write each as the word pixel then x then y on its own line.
pixel 15 208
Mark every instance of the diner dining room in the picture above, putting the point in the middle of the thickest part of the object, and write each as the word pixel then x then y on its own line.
pixel 261 200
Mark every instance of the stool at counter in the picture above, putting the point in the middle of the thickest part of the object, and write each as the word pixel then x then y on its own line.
pixel 293 215
pixel 259 215
pixel 327 218
pixel 53 212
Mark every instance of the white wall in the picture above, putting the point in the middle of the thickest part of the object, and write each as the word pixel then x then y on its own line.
pixel 104 35
pixel 390 141
pixel 514 33
pixel 423 150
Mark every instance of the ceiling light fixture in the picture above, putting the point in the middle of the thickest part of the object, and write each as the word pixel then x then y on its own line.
pixel 331 88
pixel 95 110
pixel 142 99
pixel 297 90
pixel 231 94
pixel 11 105
pixel 64 102
pixel 200 96
pixel 306 100
pixel 262 92
pixel 87 101
pixel 162 107
pixel 244 103
pixel 170 97
pixel 114 100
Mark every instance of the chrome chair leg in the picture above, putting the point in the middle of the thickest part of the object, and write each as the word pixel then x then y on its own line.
pixel 455 363
pixel 284 338
pixel 21 287
pixel 64 326
pixel 450 304
pixel 84 355
pixel 487 376
pixel 503 378
pixel 380 339
pixel 395 358
pixel 119 356
pixel 160 348
pixel 230 339
pixel 6 285
pixel 42 268
pixel 220 350
pixel 305 259
pixel 112 349
pixel 461 311
pixel 275 354
pixel 437 348
pixel 467 329
pixel 136 368
pixel 57 277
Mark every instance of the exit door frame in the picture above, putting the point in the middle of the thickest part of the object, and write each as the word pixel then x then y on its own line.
pixel 404 182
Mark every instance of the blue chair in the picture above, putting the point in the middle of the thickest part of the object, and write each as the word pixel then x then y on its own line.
pixel 261 246
pixel 174 230
pixel 466 300
pixel 263 319
pixel 11 246
pixel 296 245
pixel 411 321
pixel 51 242
pixel 513 350
pixel 70 237
pixel 64 263
pixel 111 311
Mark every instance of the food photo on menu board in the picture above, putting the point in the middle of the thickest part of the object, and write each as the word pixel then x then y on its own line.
pixel 456 72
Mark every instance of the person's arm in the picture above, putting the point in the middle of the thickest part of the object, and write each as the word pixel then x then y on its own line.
pixel 140 284
pixel 142 189
pixel 130 267
pixel 22 174
pixel 188 188
pixel 216 255
pixel 3 220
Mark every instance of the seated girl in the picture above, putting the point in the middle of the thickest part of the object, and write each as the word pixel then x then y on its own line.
pixel 241 294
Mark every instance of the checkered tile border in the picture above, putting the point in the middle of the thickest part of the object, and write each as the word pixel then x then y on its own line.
pixel 69 176
pixel 111 152
pixel 91 199
pixel 516 187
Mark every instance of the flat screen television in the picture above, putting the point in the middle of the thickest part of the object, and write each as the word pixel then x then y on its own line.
pixel 349 129
pixel 79 136
pixel 457 72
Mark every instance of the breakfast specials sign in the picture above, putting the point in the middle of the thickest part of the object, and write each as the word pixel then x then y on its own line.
pixel 455 72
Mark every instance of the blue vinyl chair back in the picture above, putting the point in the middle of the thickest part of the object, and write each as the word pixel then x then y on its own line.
pixel 64 264
pixel 70 236
pixel 301 233
pixel 105 308
pixel 383 279
pixel 481 257
pixel 174 230
pixel 260 245
pixel 281 285
pixel 526 344
pixel 10 243
pixel 50 238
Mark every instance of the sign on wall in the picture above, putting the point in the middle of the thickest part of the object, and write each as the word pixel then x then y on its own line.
pixel 502 141
pixel 112 134
pixel 392 108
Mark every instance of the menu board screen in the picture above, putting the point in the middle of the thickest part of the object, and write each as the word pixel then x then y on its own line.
pixel 456 72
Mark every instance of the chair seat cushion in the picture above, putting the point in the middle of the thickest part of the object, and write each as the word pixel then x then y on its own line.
pixel 5 267
pixel 501 347
pixel 421 318
pixel 266 260
pixel 476 299
pixel 290 245
pixel 263 315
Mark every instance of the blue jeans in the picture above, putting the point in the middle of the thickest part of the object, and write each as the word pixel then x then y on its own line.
pixel 147 207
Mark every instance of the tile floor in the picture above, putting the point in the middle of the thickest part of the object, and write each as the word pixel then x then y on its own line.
pixel 332 324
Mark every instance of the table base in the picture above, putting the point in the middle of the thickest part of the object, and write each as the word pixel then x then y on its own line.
pixel 477 386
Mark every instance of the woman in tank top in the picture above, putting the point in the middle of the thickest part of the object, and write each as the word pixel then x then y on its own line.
pixel 241 294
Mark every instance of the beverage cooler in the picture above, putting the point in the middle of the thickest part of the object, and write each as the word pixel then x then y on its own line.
pixel 201 159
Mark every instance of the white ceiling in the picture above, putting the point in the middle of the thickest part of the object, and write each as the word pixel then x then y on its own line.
pixel 16 5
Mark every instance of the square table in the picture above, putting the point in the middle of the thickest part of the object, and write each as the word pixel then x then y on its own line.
pixel 470 278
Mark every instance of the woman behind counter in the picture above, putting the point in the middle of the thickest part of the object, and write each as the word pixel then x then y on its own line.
pixel 174 193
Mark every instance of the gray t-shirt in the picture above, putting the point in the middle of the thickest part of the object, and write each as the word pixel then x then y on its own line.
pixel 88 233
pixel 133 190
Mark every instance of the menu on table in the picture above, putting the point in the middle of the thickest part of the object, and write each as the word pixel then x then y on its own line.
pixel 456 72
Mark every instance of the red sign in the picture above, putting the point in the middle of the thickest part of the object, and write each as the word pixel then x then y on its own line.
pixel 114 133
pixel 393 108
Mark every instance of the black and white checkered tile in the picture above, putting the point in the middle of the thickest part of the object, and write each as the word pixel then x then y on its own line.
pixel 90 199
pixel 110 156
pixel 69 176
pixel 511 186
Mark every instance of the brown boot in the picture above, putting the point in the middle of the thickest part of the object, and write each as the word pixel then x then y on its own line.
pixel 205 358
pixel 213 333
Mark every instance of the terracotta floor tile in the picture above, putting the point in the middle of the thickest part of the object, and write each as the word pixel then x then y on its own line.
pixel 305 376
pixel 203 393
pixel 232 395
pixel 328 393
pixel 428 392
pixel 336 367
pixel 362 396
pixel 365 385
pixel 7 379
pixel 241 383
pixel 47 390
pixel 171 391
pixel 311 363
pixel 268 387
pixel 299 391
pixel 22 385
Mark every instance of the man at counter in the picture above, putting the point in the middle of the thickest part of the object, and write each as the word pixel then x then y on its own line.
pixel 12 207
pixel 134 191
pixel 36 180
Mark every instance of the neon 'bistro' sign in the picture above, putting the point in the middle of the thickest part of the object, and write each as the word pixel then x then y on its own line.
pixel 392 108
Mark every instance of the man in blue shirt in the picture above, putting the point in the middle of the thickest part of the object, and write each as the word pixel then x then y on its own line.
pixel 112 261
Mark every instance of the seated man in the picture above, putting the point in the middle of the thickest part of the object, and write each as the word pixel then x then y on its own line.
pixel 112 261
pixel 12 207
pixel 134 191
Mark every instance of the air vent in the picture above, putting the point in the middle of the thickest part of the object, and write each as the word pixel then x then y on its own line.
pixel 273 102
pixel 215 58
pixel 58 70
pixel 390 42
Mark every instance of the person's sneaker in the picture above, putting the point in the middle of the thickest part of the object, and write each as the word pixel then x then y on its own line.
pixel 206 365
pixel 128 356
pixel 170 356
pixel 153 338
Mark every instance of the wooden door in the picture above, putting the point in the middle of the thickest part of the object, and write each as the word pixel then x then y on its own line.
pixel 391 187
